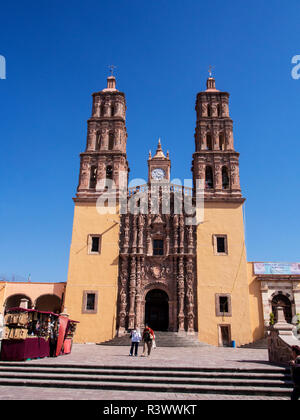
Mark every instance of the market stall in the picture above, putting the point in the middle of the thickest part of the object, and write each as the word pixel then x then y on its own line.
pixel 31 334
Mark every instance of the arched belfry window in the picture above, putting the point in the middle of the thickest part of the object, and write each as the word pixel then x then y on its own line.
pixel 98 140
pixel 109 172
pixel 111 141
pixel 209 178
pixel 222 141
pixel 219 110
pixel 209 141
pixel 93 177
pixel 225 178
pixel 112 111
pixel 102 111
pixel 208 110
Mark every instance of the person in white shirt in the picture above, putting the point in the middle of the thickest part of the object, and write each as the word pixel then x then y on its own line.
pixel 135 340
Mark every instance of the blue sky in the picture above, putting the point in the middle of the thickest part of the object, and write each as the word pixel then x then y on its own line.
pixel 57 54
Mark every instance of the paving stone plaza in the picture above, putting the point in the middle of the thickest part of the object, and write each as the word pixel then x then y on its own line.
pixel 88 355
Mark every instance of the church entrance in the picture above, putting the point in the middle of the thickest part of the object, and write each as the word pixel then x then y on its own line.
pixel 157 310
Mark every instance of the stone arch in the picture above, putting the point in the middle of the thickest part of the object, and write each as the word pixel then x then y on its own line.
pixel 284 300
pixel 14 301
pixel 48 302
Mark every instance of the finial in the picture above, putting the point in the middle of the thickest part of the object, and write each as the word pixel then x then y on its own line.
pixel 210 69
pixel 111 69
pixel 150 155
pixel 159 153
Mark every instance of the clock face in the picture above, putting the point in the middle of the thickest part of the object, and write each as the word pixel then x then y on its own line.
pixel 158 174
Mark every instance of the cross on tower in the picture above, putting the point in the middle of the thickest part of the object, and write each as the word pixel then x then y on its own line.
pixel 111 69
pixel 210 69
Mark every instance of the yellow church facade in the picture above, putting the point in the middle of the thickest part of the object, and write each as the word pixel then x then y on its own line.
pixel 128 270
pixel 142 256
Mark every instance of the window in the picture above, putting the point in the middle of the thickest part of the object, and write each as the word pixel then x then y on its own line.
pixel 220 244
pixel 158 247
pixel 225 178
pixel 109 172
pixel 111 141
pixel 89 302
pixel 94 244
pixel 209 179
pixel 223 305
pixel 93 177
pixel 209 142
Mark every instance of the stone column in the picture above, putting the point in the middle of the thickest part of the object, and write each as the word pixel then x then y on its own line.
pixel 190 295
pixel 132 293
pixel 123 295
pixel 180 287
pixel 265 303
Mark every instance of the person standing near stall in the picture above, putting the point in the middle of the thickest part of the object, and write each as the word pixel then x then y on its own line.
pixel 1 328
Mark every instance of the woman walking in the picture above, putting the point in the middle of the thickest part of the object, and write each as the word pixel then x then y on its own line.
pixel 148 337
pixel 135 340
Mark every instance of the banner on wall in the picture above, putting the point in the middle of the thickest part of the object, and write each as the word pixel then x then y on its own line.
pixel 277 268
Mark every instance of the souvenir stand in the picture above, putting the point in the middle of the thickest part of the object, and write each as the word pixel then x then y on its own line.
pixel 32 334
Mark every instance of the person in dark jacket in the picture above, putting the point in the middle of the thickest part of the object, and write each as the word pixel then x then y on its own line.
pixel 148 337
pixel 295 372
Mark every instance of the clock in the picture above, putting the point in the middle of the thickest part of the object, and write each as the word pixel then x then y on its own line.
pixel 158 174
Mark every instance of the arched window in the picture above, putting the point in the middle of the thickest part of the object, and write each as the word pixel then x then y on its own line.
pixel 208 110
pixel 225 178
pixel 102 110
pixel 219 112
pixel 112 111
pixel 109 172
pixel 111 141
pixel 209 178
pixel 98 141
pixel 222 141
pixel 208 141
pixel 93 177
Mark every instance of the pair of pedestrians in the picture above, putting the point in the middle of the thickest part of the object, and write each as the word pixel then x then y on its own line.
pixel 148 337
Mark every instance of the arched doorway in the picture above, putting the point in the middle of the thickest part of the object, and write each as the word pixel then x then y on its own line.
pixel 281 300
pixel 157 310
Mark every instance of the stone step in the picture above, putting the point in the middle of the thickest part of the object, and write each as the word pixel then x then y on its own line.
pixel 267 369
pixel 265 381
pixel 166 380
pixel 147 373
pixel 151 387
pixel 162 339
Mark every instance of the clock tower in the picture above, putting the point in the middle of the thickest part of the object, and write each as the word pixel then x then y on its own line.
pixel 159 166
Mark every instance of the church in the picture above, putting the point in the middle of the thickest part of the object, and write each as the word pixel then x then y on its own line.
pixel 139 256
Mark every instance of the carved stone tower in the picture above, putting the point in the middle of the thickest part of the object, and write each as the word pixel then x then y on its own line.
pixel 215 159
pixel 105 157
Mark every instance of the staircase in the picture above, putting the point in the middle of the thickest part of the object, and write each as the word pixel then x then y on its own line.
pixel 162 339
pixel 262 382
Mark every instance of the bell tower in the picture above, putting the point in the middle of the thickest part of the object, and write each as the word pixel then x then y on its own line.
pixel 221 252
pixel 215 159
pixel 104 158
